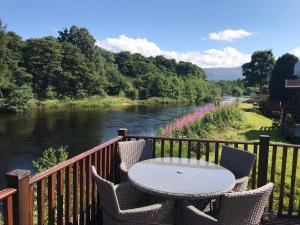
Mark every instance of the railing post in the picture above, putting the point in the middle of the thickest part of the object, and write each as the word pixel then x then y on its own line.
pixel 263 157
pixel 122 132
pixel 19 179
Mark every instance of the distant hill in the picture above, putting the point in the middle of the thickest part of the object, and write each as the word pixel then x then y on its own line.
pixel 223 73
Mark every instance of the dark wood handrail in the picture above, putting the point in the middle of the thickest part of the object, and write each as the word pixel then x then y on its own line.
pixel 192 139
pixel 71 161
pixel 7 192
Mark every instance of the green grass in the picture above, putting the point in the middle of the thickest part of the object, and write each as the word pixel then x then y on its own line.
pixel 253 125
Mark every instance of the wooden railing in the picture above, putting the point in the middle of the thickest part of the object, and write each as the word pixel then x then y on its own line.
pixel 6 197
pixel 65 194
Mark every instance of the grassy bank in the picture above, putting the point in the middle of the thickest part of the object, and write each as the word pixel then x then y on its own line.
pixel 252 125
pixel 90 102
pixel 100 101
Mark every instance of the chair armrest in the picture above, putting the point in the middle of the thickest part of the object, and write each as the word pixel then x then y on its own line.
pixel 241 184
pixel 192 215
pixel 128 196
pixel 160 213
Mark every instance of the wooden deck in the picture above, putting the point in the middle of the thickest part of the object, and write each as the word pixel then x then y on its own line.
pixel 284 221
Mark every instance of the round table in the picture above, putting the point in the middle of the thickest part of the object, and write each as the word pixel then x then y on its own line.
pixel 181 178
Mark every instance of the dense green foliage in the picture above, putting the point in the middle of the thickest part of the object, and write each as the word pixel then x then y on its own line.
pixel 213 122
pixel 73 66
pixel 283 69
pixel 234 88
pixel 258 71
pixel 50 157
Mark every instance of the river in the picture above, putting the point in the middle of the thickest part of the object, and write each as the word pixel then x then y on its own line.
pixel 23 136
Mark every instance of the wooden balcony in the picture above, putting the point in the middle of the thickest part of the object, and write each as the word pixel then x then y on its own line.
pixel 65 194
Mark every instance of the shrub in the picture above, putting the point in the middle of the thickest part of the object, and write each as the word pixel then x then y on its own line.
pixel 19 99
pixel 50 157
pixel 132 94
pixel 50 92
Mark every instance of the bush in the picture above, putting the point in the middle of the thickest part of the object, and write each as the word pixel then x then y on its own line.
pixel 132 94
pixel 19 99
pixel 50 157
pixel 237 91
pixel 50 92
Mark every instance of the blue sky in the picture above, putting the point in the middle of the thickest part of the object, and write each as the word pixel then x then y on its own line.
pixel 190 30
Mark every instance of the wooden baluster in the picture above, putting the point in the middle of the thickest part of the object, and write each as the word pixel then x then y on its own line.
pixel 75 192
pixel 207 151
pixel 154 148
pixel 282 182
pixel 236 145
pixel 189 149
pixel 94 191
pixel 273 167
pixel 68 184
pixel 88 190
pixel 60 197
pixel 41 201
pixel 254 173
pixel 180 149
pixel 106 164
pixel 9 219
pixel 82 192
pixel 109 162
pixel 293 179
pixel 31 203
pixel 198 151
pixel 246 147
pixel 217 153
pixel 162 148
pixel 51 199
pixel 171 148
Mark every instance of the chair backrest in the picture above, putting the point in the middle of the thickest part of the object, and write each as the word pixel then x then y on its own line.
pixel 244 207
pixel 132 152
pixel 107 193
pixel 239 162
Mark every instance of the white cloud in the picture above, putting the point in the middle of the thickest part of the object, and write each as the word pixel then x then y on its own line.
pixel 229 35
pixel 227 57
pixel 296 52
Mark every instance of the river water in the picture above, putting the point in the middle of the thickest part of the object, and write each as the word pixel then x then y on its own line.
pixel 24 136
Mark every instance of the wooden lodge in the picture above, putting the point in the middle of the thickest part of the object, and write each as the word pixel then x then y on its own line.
pixel 66 193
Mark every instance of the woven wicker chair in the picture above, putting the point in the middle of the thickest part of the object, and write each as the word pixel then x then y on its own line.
pixel 124 205
pixel 240 163
pixel 236 208
pixel 131 152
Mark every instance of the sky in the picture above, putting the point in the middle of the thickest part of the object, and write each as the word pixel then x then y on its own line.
pixel 209 33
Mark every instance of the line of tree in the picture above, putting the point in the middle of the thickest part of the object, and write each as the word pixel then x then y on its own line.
pixel 72 66
pixel 265 71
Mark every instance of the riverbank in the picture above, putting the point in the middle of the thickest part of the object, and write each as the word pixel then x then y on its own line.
pixel 102 102
pixel 90 102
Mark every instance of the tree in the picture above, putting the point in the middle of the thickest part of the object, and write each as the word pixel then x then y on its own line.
pixel 283 69
pixel 19 99
pixel 80 37
pixel 42 59
pixel 258 71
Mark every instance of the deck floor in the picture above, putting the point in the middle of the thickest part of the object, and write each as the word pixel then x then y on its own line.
pixel 284 221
